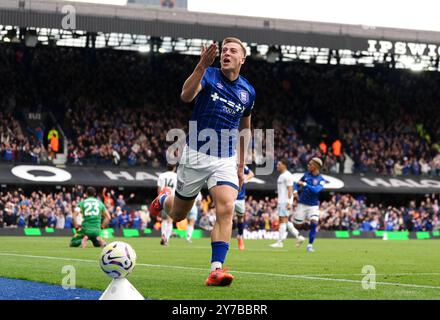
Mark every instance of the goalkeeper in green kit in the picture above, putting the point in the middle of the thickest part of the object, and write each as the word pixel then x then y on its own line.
pixel 95 217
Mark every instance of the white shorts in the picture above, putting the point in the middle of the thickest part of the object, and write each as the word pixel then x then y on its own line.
pixel 240 206
pixel 304 211
pixel 196 169
pixel 282 210
pixel 192 215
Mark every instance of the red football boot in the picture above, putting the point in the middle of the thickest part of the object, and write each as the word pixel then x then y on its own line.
pixel 155 207
pixel 219 277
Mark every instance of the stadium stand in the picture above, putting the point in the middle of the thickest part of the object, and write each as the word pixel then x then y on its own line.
pixel 55 208
pixel 112 108
pixel 340 212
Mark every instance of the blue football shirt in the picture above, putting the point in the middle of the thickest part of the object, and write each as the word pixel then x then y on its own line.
pixel 220 105
pixel 310 192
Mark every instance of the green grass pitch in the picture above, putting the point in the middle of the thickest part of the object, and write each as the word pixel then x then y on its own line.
pixel 404 269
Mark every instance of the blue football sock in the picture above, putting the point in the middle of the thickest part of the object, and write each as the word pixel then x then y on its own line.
pixel 240 227
pixel 312 232
pixel 162 199
pixel 219 251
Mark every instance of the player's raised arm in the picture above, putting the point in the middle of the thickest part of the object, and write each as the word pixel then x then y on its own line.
pixel 193 85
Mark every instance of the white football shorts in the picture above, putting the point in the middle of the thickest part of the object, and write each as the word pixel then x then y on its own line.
pixel 304 211
pixel 240 206
pixel 196 168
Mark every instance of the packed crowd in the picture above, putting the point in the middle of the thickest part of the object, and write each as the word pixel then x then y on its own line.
pixel 346 212
pixel 339 212
pixel 55 209
pixel 15 146
pixel 128 136
pixel 116 108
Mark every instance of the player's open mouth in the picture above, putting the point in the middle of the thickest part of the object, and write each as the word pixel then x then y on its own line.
pixel 226 60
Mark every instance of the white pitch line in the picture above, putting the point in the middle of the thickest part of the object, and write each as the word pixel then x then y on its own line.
pixel 339 280
pixel 307 277
pixel 257 250
pixel 377 274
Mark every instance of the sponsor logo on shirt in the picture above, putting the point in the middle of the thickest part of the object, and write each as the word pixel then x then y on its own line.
pixel 229 106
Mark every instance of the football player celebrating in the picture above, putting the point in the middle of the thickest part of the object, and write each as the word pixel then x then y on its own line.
pixel 312 184
pixel 223 101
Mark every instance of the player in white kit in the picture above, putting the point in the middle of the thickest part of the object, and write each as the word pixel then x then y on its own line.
pixel 168 180
pixel 285 201
pixel 192 217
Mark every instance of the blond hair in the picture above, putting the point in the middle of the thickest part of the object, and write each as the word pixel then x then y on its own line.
pixel 317 161
pixel 235 40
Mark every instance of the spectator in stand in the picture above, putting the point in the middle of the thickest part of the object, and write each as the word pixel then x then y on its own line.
pixel 136 220
pixel 118 211
pixel 54 142
pixel 51 219
pixel 114 221
pixel 60 219
pixel 435 223
pixel 379 116
pixel 8 154
pixel 107 197
pixel 124 220
pixel 39 133
pixel 21 219
pixel 33 220
pixel 10 218
pixel 340 212
pixel 145 216
pixel 68 224
pixel 43 218
pixel 435 171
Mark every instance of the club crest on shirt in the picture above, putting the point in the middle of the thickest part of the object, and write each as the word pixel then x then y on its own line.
pixel 244 96
pixel 315 182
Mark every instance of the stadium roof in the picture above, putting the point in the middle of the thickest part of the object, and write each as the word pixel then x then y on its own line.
pixel 142 20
